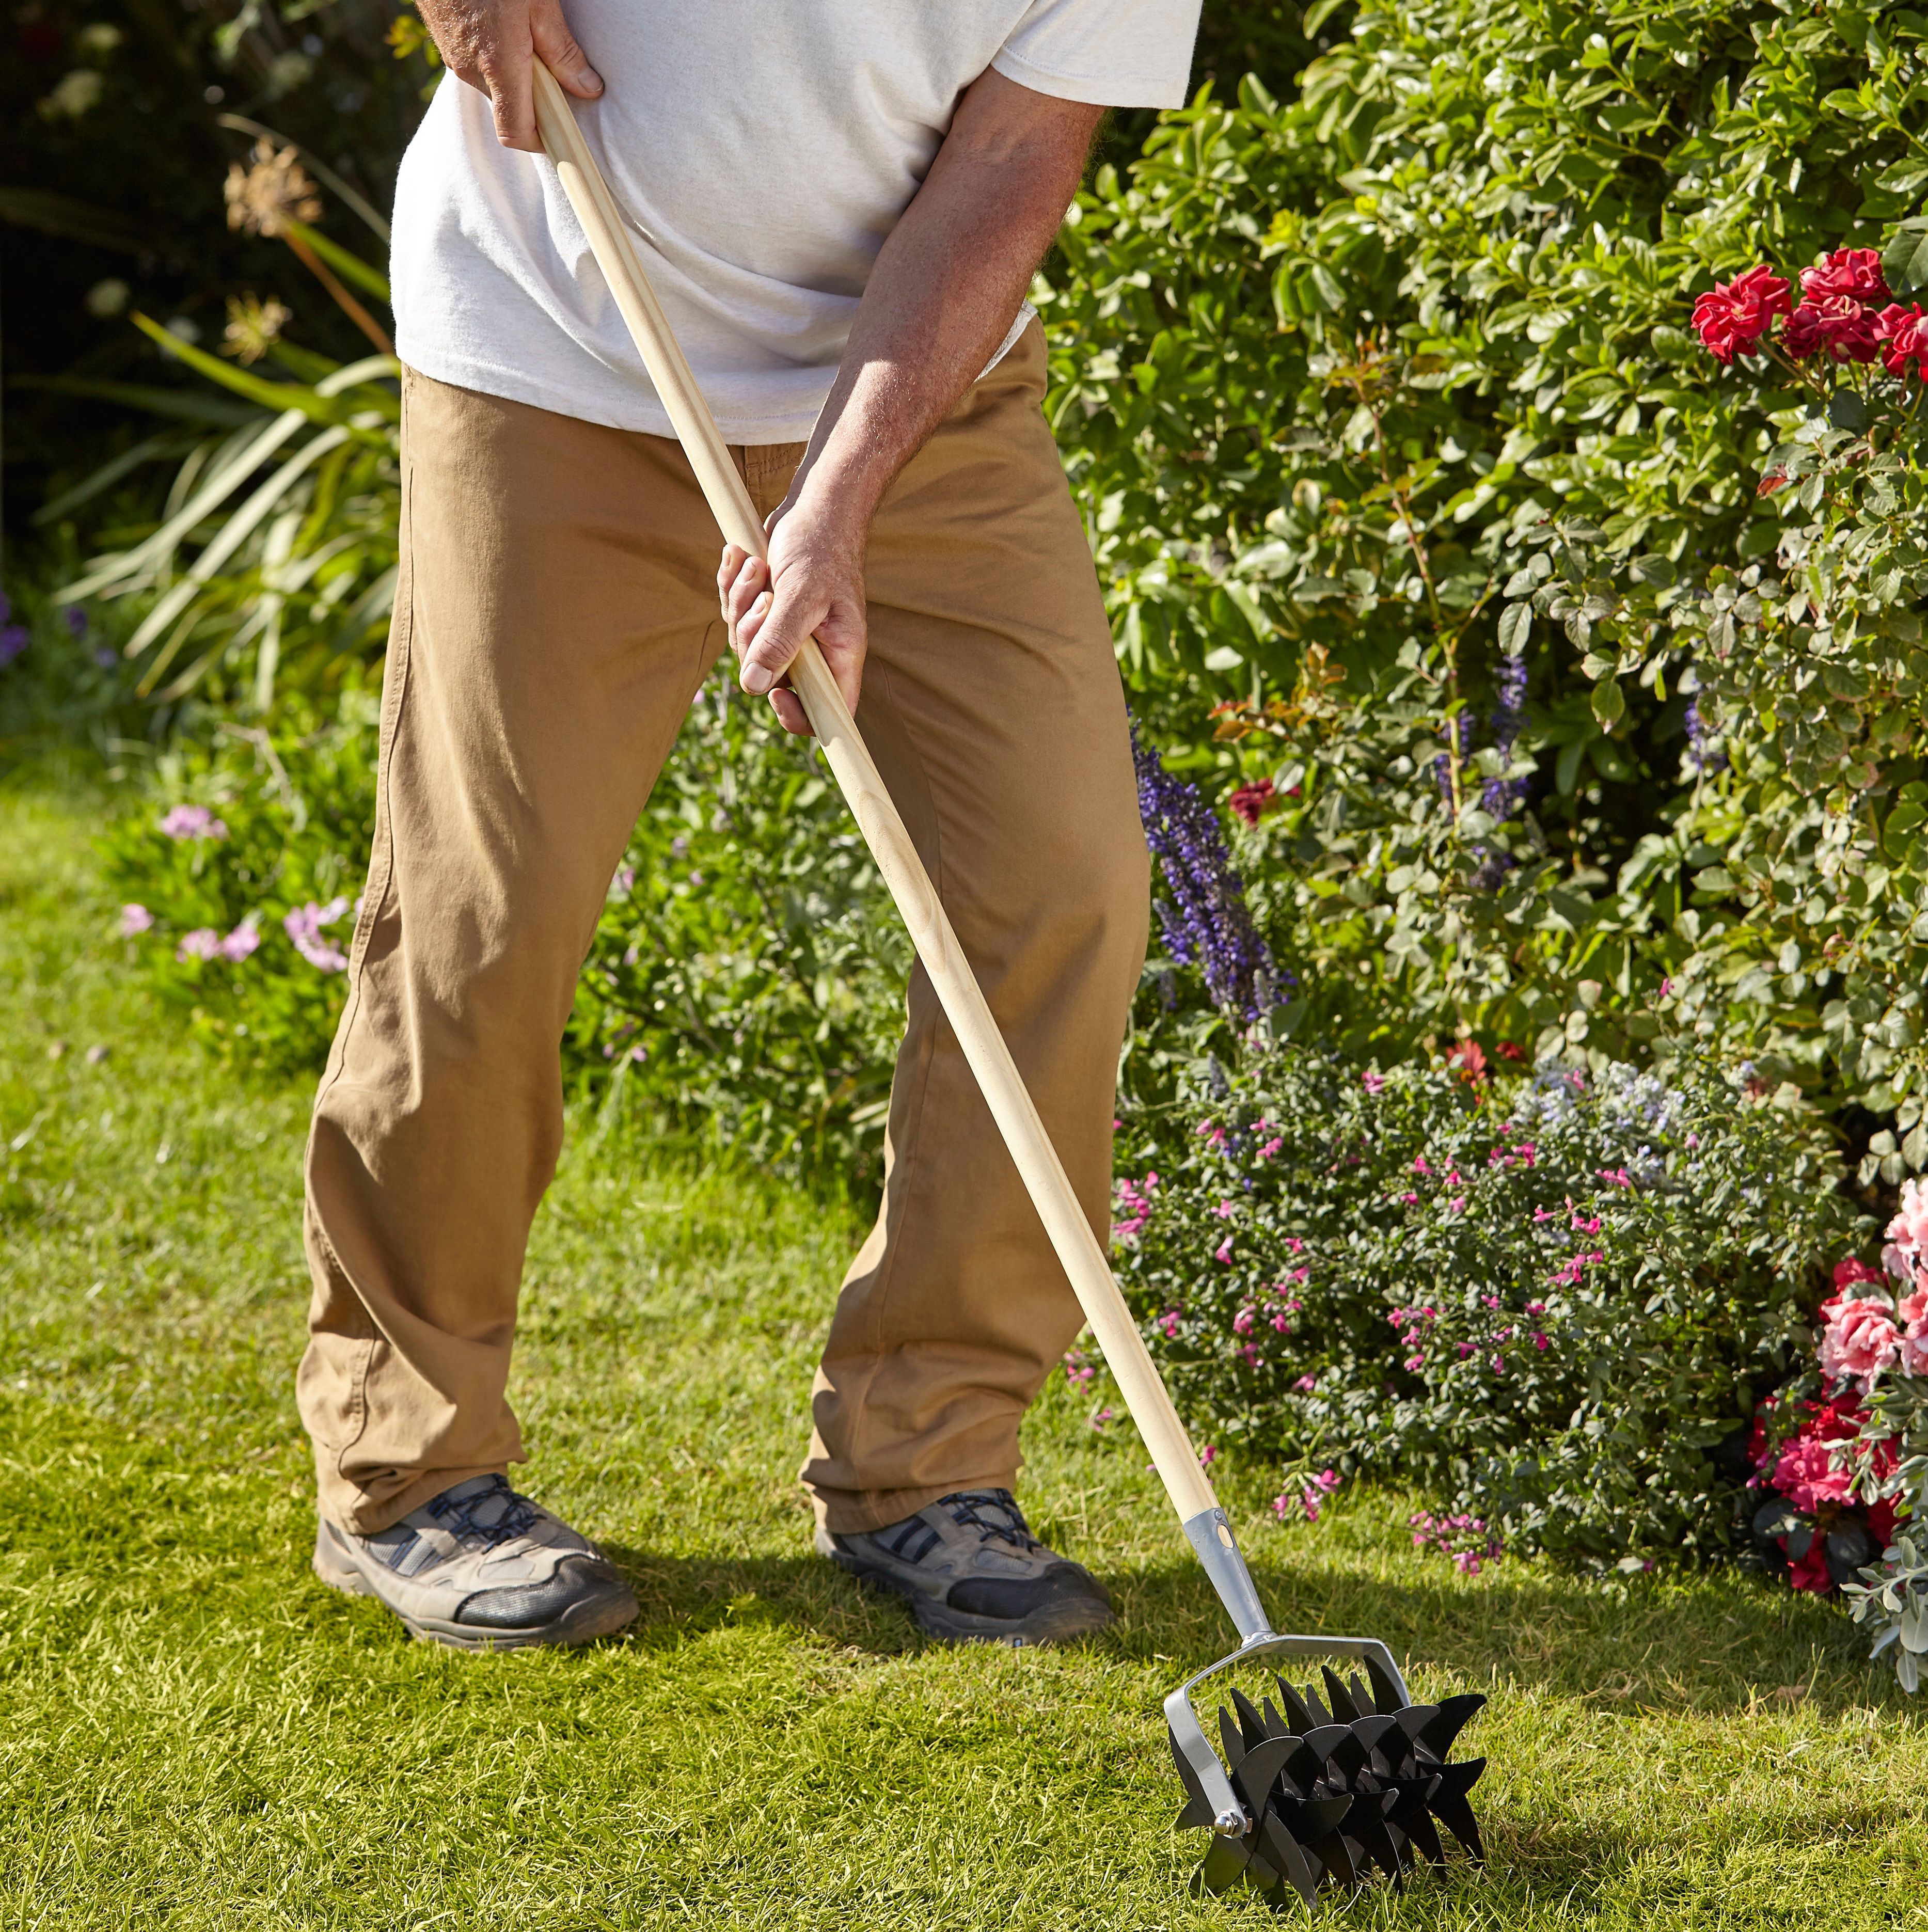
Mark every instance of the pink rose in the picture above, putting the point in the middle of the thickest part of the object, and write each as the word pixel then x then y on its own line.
pixel 1908 1230
pixel 1848 1273
pixel 1860 1338
pixel 1914 1312
pixel 1806 1476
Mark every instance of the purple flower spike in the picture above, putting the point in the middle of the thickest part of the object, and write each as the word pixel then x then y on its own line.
pixel 1205 920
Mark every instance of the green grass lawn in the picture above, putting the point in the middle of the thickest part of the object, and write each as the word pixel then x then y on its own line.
pixel 194 1733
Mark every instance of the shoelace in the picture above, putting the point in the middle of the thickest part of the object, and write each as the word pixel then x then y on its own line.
pixel 519 1515
pixel 993 1513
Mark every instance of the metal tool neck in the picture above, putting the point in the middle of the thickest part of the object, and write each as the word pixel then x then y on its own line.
pixel 1224 1563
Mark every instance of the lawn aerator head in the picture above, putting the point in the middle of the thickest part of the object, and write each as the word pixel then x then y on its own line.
pixel 1315 1794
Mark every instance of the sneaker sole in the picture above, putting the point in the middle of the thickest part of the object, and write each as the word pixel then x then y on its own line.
pixel 1063 1622
pixel 601 1614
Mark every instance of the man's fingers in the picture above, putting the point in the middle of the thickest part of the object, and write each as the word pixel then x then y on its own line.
pixel 506 71
pixel 790 712
pixel 556 46
pixel 751 582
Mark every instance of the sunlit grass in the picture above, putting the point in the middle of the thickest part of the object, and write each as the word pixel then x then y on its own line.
pixel 194 1733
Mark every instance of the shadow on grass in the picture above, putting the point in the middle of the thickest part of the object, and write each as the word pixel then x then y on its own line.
pixel 1706 1642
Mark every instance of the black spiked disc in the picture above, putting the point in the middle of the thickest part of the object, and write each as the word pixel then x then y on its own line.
pixel 1385 1692
pixel 1282 1855
pixel 1224 1865
pixel 1344 1711
pixel 1197 1809
pixel 1447 1803
pixel 1455 1713
pixel 1257 1775
pixel 1251 1726
pixel 1297 1717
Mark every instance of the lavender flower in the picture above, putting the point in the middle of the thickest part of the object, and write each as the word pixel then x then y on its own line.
pixel 76 621
pixel 1703 759
pixel 135 919
pixel 1205 920
pixel 13 642
pixel 1501 797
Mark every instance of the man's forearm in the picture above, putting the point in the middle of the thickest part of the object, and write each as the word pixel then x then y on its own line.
pixel 946 286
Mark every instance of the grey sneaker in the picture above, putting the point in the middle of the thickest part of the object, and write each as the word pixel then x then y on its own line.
pixel 973 1571
pixel 482 1568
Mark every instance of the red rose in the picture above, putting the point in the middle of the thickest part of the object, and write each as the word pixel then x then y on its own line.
pixel 1904 332
pixel 1848 1273
pixel 1852 274
pixel 1810 1572
pixel 1732 317
pixel 1250 801
pixel 1839 328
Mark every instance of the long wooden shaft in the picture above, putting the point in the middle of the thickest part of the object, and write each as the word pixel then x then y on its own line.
pixel 957 988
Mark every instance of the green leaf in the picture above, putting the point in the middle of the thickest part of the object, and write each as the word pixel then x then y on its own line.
pixel 348 266
pixel 1609 703
pixel 1515 626
pixel 1848 409
pixel 1905 260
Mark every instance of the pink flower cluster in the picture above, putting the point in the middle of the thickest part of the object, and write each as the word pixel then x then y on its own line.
pixel 1135 1202
pixel 205 943
pixel 305 928
pixel 184 822
pixel 1465 1539
pixel 1317 1491
pixel 1847 313
pixel 1864 1329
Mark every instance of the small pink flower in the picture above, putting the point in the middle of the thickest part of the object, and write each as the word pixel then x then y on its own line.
pixel 1292 1242
pixel 1617 1177
pixel 203 943
pixel 1414 1364
pixel 242 941
pixel 1270 1148
pixel 1458 1204
pixel 1243 1322
pixel 1536 1308
pixel 1222 1252
pixel 1409 1200
pixel 1279 1322
pixel 1208 1455
pixel 1373 1081
pixel 1540 1340
pixel 135 919
pixel 1420 1166
pixel 1307 1384
pixel 1223 1210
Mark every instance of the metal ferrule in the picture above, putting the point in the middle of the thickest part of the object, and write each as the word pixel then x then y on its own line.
pixel 1224 1563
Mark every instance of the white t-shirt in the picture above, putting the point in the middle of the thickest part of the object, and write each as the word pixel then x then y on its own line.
pixel 764 149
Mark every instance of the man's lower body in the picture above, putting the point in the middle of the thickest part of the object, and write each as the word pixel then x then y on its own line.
pixel 555 614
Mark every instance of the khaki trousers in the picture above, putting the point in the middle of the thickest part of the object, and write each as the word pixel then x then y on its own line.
pixel 556 613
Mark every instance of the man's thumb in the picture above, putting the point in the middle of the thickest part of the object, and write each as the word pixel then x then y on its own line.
pixel 558 48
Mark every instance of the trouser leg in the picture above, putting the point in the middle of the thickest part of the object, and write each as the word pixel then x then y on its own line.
pixel 993 703
pixel 556 612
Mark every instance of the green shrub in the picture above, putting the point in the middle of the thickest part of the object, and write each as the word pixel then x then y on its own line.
pixel 1321 364
pixel 1553 1301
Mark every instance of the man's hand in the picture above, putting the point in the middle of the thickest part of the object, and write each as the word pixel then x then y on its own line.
pixel 490 43
pixel 813 586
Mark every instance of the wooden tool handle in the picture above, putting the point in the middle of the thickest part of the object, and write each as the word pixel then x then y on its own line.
pixel 957 988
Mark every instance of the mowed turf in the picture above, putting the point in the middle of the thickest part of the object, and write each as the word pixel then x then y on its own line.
pixel 194 1733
